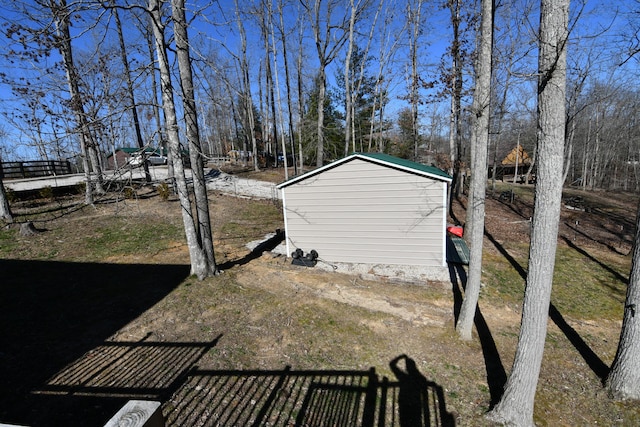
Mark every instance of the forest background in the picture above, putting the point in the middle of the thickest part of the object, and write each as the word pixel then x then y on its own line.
pixel 398 75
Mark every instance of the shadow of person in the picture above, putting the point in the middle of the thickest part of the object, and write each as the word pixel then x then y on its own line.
pixel 413 402
pixel 421 403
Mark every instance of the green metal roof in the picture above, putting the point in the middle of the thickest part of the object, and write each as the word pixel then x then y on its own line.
pixel 378 158
pixel 432 170
pixel 130 150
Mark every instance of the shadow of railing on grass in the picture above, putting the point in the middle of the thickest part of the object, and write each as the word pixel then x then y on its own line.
pixel 132 370
pixel 340 398
pixel 91 389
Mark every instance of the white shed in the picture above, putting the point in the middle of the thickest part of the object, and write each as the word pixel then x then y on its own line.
pixel 369 209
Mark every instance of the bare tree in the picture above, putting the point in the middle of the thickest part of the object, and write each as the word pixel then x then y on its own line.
pixel 455 86
pixel 386 54
pixel 5 209
pixel 270 89
pixel 247 99
pixel 329 37
pixel 280 116
pixel 199 260
pixel 516 404
pixel 147 31
pixel 299 80
pixel 202 218
pixel 130 91
pixel 414 19
pixel 479 142
pixel 623 382
pixel 354 75
pixel 62 17
pixel 347 79
pixel 282 30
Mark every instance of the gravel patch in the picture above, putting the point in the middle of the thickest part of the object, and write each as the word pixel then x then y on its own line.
pixel 241 187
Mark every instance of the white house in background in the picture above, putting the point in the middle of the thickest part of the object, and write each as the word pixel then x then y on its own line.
pixel 369 209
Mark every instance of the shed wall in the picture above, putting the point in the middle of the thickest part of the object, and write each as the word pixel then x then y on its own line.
pixel 361 212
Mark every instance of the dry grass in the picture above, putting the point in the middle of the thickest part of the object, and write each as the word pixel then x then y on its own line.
pixel 143 329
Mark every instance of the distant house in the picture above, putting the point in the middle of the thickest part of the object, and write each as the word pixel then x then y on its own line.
pixel 120 157
pixel 369 209
pixel 514 165
pixel 123 156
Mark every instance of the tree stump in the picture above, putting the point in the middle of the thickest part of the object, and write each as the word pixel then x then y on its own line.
pixel 28 229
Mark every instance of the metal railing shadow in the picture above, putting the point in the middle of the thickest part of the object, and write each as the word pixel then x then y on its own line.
pixel 91 389
pixel 140 370
pixel 307 398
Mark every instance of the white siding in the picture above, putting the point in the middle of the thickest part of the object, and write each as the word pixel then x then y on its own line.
pixel 362 212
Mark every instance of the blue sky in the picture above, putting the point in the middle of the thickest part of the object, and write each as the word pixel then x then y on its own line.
pixel 216 24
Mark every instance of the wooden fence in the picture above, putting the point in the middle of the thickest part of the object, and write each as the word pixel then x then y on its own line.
pixel 34 168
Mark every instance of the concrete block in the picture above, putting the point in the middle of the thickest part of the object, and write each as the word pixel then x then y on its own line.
pixel 138 413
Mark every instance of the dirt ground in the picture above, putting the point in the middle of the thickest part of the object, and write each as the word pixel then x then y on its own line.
pixel 270 343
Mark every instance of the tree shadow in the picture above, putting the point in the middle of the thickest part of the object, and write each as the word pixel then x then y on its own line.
pixel 596 364
pixel 340 398
pixel 266 246
pixel 56 318
pixel 608 245
pixel 586 254
pixel 496 374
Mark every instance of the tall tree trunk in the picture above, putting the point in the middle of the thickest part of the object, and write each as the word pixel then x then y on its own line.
pixel 322 87
pixel 416 22
pixel 347 82
pixel 264 116
pixel 193 136
pixel 5 209
pixel 386 52
pixel 288 85
pixel 130 93
pixel 162 140
pixel 455 131
pixel 270 89
pixel 516 405
pixel 329 37
pixel 280 116
pixel 479 140
pixel 247 99
pixel 198 258
pixel 61 16
pixel 623 381
pixel 299 79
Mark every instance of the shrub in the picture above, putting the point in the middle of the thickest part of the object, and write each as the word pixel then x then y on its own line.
pixel 129 193
pixel 46 192
pixel 81 187
pixel 164 191
pixel 12 197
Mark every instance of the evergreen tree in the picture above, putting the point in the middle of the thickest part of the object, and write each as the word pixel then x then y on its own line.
pixel 332 125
